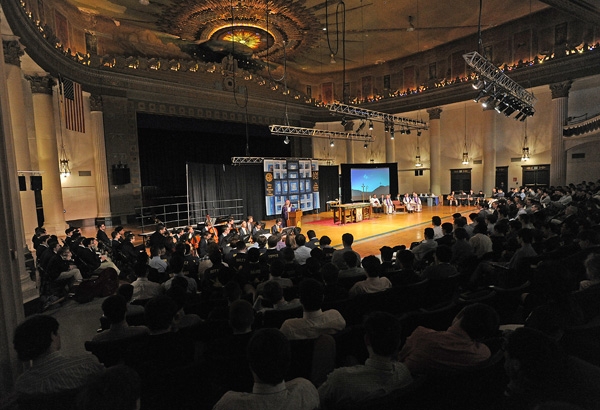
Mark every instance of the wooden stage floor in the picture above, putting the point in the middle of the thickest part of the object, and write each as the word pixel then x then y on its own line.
pixel 371 234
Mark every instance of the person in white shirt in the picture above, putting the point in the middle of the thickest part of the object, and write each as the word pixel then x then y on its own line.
pixel 373 283
pixel 143 288
pixel 269 357
pixel 314 321
pixel 157 262
pixel 376 204
pixel 349 387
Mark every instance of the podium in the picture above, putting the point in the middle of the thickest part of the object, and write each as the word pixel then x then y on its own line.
pixel 295 218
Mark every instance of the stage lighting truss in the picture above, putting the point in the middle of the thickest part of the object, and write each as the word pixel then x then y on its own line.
pixel 500 89
pixel 260 160
pixel 316 133
pixel 386 119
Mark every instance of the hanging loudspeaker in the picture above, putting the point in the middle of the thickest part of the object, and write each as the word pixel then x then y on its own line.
pixel 22 183
pixel 36 182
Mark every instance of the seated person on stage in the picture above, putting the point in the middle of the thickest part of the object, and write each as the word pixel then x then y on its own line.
pixel 459 348
pixel 417 206
pixel 452 199
pixel 314 321
pixel 378 377
pixel 114 309
pixel 388 205
pixel 376 204
pixel 374 283
pixel 406 200
pixel 38 342
pixel 269 357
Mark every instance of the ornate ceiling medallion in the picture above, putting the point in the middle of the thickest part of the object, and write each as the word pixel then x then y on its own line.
pixel 203 21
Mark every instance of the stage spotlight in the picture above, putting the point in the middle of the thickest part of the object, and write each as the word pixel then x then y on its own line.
pixel 408 131
pixel 286 140
pixel 361 126
pixel 370 125
pixel 366 146
pixel 392 134
pixel 331 144
pixel 344 121
pixel 418 133
pixel 478 85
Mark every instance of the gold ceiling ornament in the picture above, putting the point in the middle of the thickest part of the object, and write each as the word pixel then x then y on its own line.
pixel 201 20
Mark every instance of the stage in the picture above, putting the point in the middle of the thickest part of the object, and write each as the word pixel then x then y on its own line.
pixel 381 229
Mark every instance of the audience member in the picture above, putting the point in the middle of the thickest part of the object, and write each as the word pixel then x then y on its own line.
pixel 269 359
pixel 459 348
pixel 314 321
pixel 143 288
pixel 114 308
pixel 338 256
pixel 37 341
pixel 379 376
pixel 118 388
pixel 374 283
pixel 441 268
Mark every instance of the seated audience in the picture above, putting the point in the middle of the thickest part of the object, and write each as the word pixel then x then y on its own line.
pixel 338 256
pixel 273 295
pixel 143 288
pixel 118 388
pixel 405 274
pixel 441 268
pixel 114 309
pixel 275 271
pixel 269 358
pixel 177 263
pixel 314 321
pixel 332 290
pixel 374 283
pixel 459 348
pixel 37 342
pixel 350 268
pixel 379 376
pixel 426 246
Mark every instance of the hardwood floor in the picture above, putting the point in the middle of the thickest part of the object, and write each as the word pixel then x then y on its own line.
pixel 371 234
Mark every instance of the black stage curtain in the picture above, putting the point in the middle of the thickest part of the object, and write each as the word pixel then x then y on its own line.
pixel 215 182
pixel 329 184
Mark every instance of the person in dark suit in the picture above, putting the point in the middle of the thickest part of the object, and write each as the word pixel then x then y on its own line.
pixel 285 211
pixel 102 236
pixel 279 223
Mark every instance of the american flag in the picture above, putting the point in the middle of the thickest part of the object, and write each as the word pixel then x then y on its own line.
pixel 73 105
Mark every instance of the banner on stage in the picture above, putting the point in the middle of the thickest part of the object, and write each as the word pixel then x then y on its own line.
pixel 293 179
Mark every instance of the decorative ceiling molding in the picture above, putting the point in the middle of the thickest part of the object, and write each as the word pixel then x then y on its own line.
pixel 289 23
pixel 584 10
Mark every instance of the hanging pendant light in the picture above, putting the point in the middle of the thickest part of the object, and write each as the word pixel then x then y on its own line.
pixel 525 150
pixel 465 155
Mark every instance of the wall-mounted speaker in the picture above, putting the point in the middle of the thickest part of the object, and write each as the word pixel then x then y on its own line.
pixel 22 183
pixel 36 182
pixel 121 174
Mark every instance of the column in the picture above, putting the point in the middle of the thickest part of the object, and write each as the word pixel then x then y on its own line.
pixel 435 154
pixel 14 85
pixel 45 135
pixel 100 167
pixel 489 149
pixel 11 244
pixel 560 111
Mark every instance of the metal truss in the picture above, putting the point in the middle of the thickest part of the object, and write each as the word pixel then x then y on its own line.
pixel 315 133
pixel 246 160
pixel 492 73
pixel 376 115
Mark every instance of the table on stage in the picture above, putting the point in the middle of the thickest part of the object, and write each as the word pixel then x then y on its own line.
pixel 351 212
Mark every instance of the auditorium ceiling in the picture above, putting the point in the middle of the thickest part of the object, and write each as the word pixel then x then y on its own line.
pixel 312 36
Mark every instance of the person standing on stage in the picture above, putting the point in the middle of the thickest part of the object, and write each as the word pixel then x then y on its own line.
pixel 285 212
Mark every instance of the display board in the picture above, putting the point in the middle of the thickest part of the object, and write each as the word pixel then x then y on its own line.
pixel 293 179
